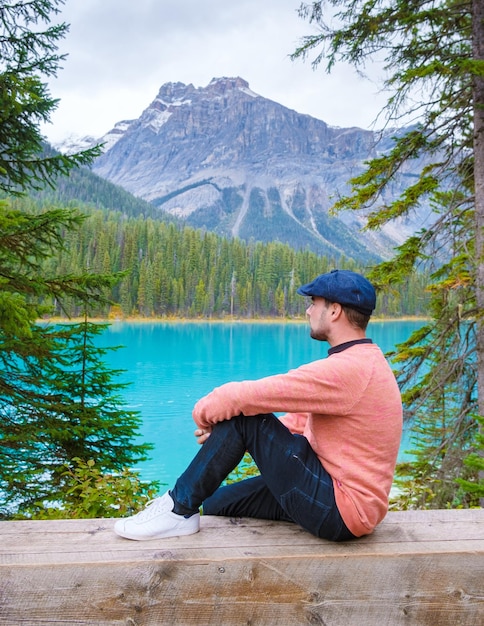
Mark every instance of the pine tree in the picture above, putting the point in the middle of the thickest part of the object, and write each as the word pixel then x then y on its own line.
pixel 28 51
pixel 67 411
pixel 47 417
pixel 433 52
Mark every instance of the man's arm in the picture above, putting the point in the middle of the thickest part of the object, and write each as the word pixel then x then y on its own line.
pixel 306 389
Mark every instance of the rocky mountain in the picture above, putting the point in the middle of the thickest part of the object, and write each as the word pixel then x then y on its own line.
pixel 229 160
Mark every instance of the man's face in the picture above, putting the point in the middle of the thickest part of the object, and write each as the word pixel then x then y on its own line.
pixel 319 314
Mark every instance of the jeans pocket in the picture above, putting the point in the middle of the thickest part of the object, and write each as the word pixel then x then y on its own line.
pixel 304 510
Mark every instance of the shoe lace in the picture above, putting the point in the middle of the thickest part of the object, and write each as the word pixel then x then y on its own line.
pixel 155 507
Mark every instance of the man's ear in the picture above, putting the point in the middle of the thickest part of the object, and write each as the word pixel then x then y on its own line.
pixel 336 311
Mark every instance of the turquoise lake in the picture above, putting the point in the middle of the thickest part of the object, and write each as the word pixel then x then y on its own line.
pixel 171 365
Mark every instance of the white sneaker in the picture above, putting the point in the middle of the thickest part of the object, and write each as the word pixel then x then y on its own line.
pixel 156 521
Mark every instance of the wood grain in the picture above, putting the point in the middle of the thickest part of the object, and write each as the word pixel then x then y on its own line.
pixel 417 568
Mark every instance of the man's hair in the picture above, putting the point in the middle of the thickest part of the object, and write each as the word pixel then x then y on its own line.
pixel 354 317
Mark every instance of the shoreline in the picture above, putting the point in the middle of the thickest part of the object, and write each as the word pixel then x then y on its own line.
pixel 212 320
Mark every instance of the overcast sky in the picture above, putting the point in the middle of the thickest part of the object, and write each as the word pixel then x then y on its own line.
pixel 122 51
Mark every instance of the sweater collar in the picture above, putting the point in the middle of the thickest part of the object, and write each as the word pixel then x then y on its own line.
pixel 347 344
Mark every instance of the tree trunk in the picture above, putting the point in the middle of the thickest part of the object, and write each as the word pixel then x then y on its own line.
pixel 478 97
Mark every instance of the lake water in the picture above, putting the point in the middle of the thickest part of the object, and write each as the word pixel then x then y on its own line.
pixel 171 365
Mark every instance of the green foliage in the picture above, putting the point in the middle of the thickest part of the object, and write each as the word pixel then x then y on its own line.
pixel 429 68
pixel 245 469
pixel 171 270
pixel 434 70
pixel 28 51
pixel 89 492
pixel 474 462
pixel 57 399
pixel 60 404
pixel 437 371
pixel 27 241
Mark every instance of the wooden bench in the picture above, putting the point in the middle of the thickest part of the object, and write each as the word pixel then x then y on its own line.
pixel 418 568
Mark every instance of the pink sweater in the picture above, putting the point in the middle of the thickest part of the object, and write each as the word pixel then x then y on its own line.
pixel 349 408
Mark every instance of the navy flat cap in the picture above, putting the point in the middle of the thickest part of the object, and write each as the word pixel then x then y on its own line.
pixel 345 287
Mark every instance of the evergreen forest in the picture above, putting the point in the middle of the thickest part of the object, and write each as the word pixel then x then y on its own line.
pixel 170 270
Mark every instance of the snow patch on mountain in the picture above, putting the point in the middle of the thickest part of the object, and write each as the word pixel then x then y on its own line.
pixel 229 160
pixel 75 143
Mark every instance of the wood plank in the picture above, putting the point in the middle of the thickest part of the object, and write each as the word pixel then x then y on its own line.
pixel 286 590
pixel 244 536
pixel 411 518
pixel 419 568
pixel 104 546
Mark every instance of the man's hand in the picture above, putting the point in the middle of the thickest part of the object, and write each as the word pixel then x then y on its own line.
pixel 218 405
pixel 202 434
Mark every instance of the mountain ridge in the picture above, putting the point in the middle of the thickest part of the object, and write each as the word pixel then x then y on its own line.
pixel 226 159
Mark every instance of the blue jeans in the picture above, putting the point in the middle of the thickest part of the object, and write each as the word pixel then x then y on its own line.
pixel 293 486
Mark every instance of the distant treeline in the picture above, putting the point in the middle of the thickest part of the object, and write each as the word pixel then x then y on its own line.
pixel 175 271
